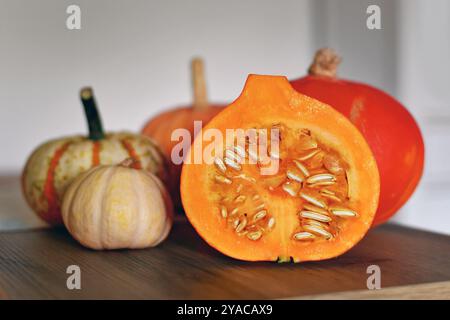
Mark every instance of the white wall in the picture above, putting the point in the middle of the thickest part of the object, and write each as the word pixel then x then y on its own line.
pixel 136 53
pixel 423 70
pixel 136 56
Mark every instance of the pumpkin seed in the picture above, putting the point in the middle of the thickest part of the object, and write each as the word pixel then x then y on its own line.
pixel 331 197
pixel 303 235
pixel 241 225
pixel 310 207
pixel 302 168
pixel 254 235
pixel 319 231
pixel 240 199
pixel 240 151
pixel 222 179
pixel 223 212
pixel 259 215
pixel 219 164
pixel 271 223
pixel 294 176
pixel 343 212
pixel 260 207
pixel 315 216
pixel 232 156
pixel 245 177
pixel 313 200
pixel 332 164
pixel 288 188
pixel 232 164
pixel 321 177
pixel 309 155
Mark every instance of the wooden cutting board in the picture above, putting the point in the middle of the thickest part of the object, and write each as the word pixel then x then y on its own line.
pixel 33 265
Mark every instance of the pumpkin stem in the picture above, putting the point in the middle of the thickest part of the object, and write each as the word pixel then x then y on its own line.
pixel 92 115
pixel 325 63
pixel 199 84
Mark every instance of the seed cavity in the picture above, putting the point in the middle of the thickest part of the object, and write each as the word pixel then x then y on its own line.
pixel 316 176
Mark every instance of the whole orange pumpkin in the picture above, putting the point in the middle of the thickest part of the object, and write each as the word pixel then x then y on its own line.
pixel 54 164
pixel 390 130
pixel 160 128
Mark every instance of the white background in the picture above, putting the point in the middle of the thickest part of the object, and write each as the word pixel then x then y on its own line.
pixel 136 56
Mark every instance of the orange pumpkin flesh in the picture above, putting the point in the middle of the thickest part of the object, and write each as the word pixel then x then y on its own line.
pixel 388 127
pixel 161 127
pixel 255 217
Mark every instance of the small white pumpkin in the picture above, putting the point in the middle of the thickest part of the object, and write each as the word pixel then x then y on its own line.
pixel 117 206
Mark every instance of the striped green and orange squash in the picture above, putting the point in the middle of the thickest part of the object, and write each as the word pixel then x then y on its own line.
pixel 54 164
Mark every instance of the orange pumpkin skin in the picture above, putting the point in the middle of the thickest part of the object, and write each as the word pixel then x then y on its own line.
pixel 161 127
pixel 210 191
pixel 390 130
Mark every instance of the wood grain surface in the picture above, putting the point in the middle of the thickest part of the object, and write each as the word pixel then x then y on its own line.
pixel 33 266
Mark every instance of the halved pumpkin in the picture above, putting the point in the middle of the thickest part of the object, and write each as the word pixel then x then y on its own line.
pixel 301 184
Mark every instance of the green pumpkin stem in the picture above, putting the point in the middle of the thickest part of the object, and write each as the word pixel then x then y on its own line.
pixel 92 115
